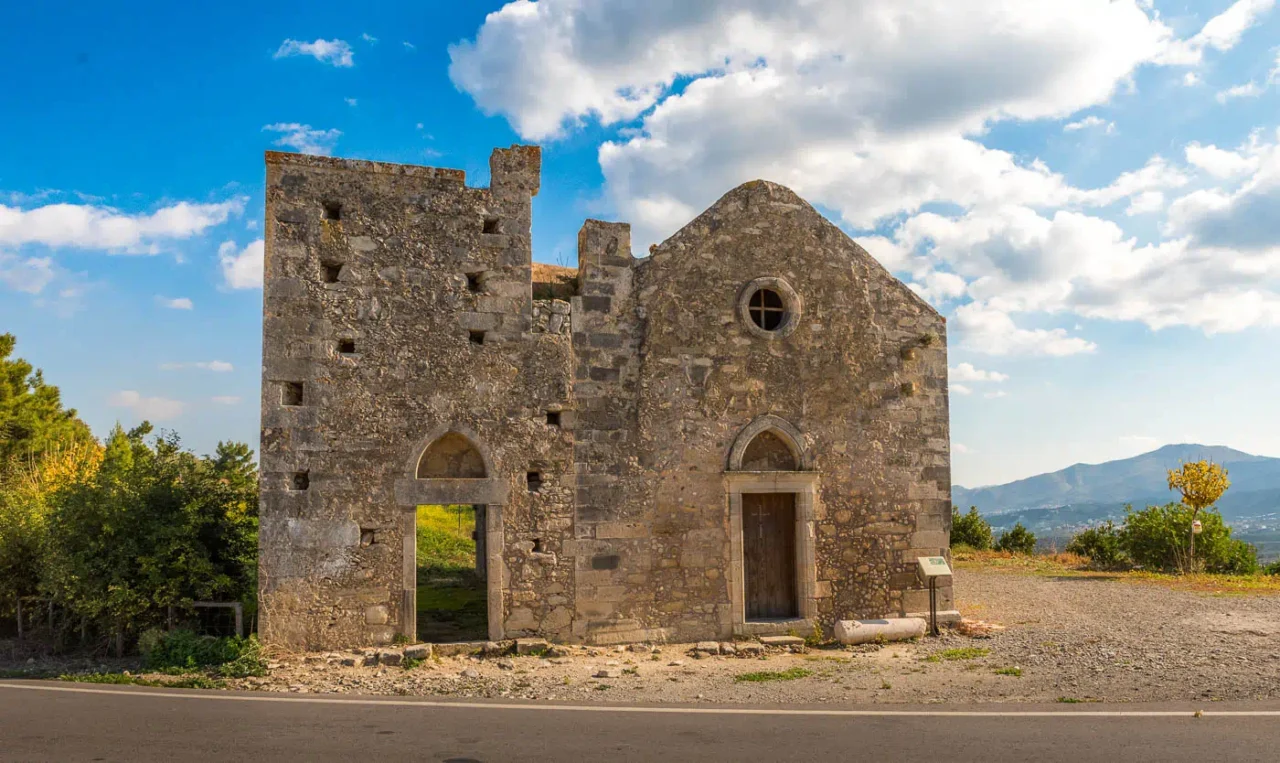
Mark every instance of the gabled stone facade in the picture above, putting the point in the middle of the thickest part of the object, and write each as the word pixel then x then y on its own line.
pixel 751 419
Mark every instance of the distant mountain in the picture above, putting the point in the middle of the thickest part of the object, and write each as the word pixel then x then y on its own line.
pixel 1255 483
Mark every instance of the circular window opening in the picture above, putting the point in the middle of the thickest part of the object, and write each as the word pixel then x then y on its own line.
pixel 767 309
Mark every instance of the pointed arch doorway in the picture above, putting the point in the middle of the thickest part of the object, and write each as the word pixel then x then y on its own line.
pixel 771 490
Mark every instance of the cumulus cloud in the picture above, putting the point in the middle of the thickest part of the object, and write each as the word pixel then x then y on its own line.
pixel 959 389
pixel 26 274
pixel 177 303
pixel 150 408
pixel 217 366
pixel 1247 90
pixel 1090 122
pixel 85 226
pixel 335 52
pixel 876 111
pixel 241 268
pixel 965 372
pixel 959 448
pixel 304 138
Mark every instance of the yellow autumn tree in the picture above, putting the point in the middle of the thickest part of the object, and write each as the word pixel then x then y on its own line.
pixel 25 492
pixel 1201 484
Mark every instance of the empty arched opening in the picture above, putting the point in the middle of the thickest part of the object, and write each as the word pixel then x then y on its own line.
pixel 451 456
pixel 769 452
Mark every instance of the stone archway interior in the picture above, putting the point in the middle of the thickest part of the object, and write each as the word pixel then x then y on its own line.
pixel 768 452
pixel 452 456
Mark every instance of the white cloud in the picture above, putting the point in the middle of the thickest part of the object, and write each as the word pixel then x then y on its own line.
pixel 1190 79
pixel 965 372
pixel 150 408
pixel 1221 163
pixel 225 399
pixel 241 269
pixel 1090 122
pixel 335 52
pixel 991 331
pixel 85 226
pixel 1247 90
pixel 304 138
pixel 177 303
pixel 29 274
pixel 995 395
pixel 960 389
pixel 939 287
pixel 1221 32
pixel 959 448
pixel 409 46
pixel 368 38
pixel 352 102
pixel 217 366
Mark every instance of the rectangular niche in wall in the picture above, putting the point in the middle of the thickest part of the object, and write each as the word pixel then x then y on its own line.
pixel 301 481
pixel 291 393
pixel 553 418
pixel 492 225
pixel 346 346
pixel 534 481
pixel 331 271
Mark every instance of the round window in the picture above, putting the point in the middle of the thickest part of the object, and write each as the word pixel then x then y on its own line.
pixel 766 309
pixel 769 308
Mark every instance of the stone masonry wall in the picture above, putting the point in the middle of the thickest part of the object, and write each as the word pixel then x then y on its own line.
pixel 397 308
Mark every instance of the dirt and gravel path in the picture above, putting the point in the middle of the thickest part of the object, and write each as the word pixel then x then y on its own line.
pixel 1066 638
pixel 1071 638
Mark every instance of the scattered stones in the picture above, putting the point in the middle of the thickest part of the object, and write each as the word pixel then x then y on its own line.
pixel 750 648
pixel 390 657
pixel 640 648
pixel 531 646
pixel 557 650
pixel 727 648
pixel 506 665
pixel 783 641
pixel 350 661
pixel 470 673
pixel 418 652
pixel 706 648
pixel 608 673
pixel 676 663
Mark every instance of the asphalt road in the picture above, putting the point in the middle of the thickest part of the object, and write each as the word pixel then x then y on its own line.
pixel 70 722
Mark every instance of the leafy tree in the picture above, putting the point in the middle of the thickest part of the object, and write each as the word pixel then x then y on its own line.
pixel 1201 483
pixel 1102 544
pixel 156 526
pixel 1158 538
pixel 25 494
pixel 1019 540
pixel 970 529
pixel 32 419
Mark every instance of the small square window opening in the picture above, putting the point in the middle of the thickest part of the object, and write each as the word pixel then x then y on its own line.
pixel 301 480
pixel 553 418
pixel 346 346
pixel 332 271
pixel 332 210
pixel 477 337
pixel 473 282
pixel 291 393
pixel 534 481
pixel 491 225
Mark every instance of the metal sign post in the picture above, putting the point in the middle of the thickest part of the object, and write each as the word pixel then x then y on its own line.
pixel 932 568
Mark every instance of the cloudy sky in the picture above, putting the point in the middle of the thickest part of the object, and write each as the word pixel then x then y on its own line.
pixel 1088 189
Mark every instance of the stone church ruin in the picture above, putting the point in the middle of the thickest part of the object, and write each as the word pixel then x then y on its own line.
pixel 743 432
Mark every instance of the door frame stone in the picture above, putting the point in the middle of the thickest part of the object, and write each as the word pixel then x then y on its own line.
pixel 805 487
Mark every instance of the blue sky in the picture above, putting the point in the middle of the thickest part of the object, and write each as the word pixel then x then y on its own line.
pixel 1087 191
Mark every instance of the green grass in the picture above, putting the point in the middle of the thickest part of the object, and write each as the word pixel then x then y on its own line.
pixel 1011 671
pixel 961 653
pixel 790 674
pixel 452 602
pixel 444 538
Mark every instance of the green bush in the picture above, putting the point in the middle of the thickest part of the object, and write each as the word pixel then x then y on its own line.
pixel 1272 569
pixel 183 650
pixel 1103 546
pixel 1158 538
pixel 970 529
pixel 1019 540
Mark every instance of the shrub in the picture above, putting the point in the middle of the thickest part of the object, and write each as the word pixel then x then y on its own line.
pixel 1157 538
pixel 1272 568
pixel 183 650
pixel 1102 544
pixel 1019 540
pixel 970 529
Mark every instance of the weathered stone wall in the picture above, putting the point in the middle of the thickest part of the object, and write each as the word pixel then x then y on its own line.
pixel 333 561
pixel 654 373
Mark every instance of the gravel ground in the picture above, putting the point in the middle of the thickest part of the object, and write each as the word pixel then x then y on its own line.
pixel 1071 638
